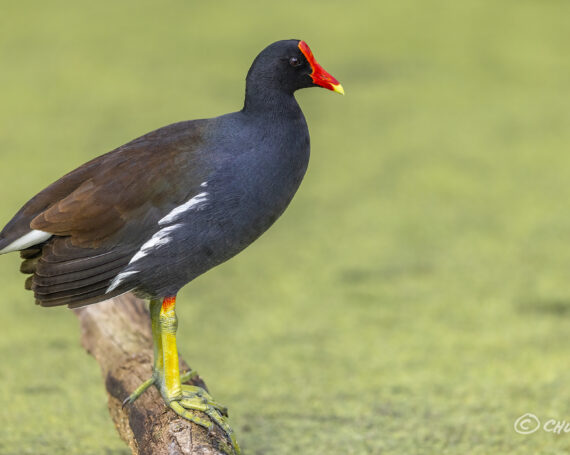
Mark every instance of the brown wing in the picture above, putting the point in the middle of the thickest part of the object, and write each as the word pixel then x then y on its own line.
pixel 102 212
pixel 150 174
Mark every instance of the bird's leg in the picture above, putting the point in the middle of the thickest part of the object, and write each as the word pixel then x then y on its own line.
pixel 181 398
pixel 158 367
pixel 170 387
pixel 184 398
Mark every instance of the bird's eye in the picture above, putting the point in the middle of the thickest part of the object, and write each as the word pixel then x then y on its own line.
pixel 294 61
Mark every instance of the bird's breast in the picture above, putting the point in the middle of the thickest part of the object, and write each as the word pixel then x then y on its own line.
pixel 254 185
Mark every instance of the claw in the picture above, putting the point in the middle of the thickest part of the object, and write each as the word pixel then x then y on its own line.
pixel 138 391
pixel 188 375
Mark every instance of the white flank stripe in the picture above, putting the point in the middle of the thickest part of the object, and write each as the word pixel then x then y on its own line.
pixel 196 203
pixel 30 239
pixel 119 279
pixel 162 237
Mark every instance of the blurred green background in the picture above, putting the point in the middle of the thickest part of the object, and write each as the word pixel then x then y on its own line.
pixel 414 299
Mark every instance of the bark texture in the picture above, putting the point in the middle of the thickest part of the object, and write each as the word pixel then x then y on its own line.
pixel 117 333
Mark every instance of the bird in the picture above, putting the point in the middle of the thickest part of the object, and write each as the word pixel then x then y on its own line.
pixel 152 215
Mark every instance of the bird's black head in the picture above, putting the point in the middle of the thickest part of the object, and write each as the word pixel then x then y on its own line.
pixel 289 65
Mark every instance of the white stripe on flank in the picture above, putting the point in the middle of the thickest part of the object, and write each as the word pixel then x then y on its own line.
pixel 162 237
pixel 196 203
pixel 30 239
pixel 119 279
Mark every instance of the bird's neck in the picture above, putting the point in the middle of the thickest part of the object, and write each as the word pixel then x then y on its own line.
pixel 269 101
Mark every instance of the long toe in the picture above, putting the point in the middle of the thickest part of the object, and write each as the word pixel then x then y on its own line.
pixel 139 391
pixel 197 399
pixel 194 393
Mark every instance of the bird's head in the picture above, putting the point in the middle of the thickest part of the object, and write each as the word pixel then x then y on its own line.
pixel 290 65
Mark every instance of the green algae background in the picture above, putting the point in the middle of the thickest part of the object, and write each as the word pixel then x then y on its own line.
pixel 415 297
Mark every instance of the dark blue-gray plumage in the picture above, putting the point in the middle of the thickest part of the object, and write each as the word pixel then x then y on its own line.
pixel 161 210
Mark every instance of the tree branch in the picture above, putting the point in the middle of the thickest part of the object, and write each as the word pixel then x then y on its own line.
pixel 117 333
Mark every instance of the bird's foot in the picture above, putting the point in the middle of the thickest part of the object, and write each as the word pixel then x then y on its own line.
pixel 192 392
pixel 197 399
pixel 154 379
pixel 193 399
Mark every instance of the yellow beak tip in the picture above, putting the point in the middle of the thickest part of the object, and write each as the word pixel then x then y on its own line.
pixel 338 88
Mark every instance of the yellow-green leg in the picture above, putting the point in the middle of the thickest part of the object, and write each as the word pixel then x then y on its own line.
pixel 158 367
pixel 181 398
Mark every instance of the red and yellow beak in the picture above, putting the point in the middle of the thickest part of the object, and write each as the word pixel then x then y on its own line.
pixel 319 75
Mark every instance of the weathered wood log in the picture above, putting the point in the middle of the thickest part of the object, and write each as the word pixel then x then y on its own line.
pixel 117 333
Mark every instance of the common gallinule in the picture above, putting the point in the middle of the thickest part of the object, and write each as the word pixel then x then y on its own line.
pixel 157 212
